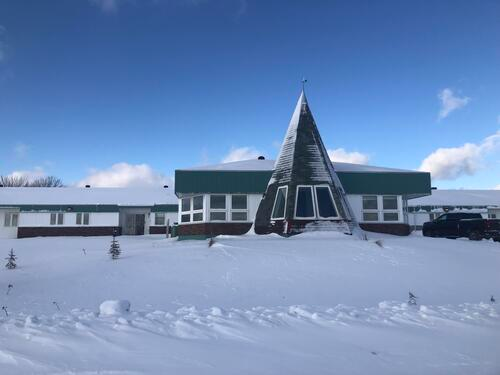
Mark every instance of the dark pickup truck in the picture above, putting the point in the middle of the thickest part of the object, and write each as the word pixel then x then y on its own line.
pixel 454 225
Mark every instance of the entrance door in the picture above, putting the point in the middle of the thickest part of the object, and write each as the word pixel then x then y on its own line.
pixel 134 224
pixel 139 224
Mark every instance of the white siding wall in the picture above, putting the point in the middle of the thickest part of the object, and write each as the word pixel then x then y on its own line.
pixel 169 216
pixel 7 232
pixel 42 219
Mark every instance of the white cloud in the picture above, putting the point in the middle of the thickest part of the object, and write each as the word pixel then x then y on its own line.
pixel 497 187
pixel 31 175
pixel 342 156
pixel 126 175
pixel 450 102
pixel 21 150
pixel 241 153
pixel 451 163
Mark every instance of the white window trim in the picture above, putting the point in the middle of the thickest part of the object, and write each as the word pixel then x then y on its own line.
pixel 238 210
pixel 157 214
pixel 82 222
pixel 8 219
pixel 199 210
pixel 191 212
pixel 57 219
pixel 275 199
pixel 297 198
pixel 225 210
pixel 317 205
pixel 380 211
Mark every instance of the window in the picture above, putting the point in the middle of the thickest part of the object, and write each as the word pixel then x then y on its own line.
pixel 192 209
pixel 390 207
pixel 238 216
pixel 325 204
pixel 57 218
pixel 239 206
pixel 304 206
pixel 492 216
pixel 217 216
pixel 198 203
pixel 10 219
pixel 391 216
pixel 370 216
pixel 159 218
pixel 85 216
pixel 390 202
pixel 380 208
pixel 279 203
pixel 218 201
pixel 370 202
pixel 186 204
pixel 218 207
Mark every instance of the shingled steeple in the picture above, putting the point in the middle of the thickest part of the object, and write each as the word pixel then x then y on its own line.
pixel 304 192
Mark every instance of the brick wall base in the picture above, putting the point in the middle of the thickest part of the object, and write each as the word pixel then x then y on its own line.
pixel 206 230
pixel 157 229
pixel 24 232
pixel 396 228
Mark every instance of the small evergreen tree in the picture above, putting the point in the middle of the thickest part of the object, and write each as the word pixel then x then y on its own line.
pixel 11 260
pixel 412 299
pixel 114 250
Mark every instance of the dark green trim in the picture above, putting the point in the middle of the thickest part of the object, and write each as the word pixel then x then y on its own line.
pixel 89 207
pixel 68 208
pixel 165 208
pixel 411 184
pixel 228 182
pixel 399 183
pixel 193 237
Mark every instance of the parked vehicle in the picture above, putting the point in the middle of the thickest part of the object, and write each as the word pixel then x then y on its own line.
pixel 463 224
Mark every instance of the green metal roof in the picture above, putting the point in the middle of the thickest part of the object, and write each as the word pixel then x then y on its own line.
pixel 410 183
pixel 198 181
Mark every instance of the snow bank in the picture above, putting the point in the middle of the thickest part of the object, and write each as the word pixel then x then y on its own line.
pixel 114 307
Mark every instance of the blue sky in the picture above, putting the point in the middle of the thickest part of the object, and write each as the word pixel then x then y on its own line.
pixel 121 92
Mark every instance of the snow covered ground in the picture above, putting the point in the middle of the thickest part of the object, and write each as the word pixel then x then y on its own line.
pixel 312 304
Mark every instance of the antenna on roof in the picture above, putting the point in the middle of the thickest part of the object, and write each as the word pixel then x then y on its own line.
pixel 304 81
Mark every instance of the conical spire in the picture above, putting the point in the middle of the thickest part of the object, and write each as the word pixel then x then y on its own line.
pixel 305 179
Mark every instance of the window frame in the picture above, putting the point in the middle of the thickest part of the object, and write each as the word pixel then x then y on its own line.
pixel 9 220
pixel 390 210
pixel 58 218
pixel 297 188
pixel 218 210
pixel 317 203
pixel 285 187
pixel 239 210
pixel 160 215
pixel 191 212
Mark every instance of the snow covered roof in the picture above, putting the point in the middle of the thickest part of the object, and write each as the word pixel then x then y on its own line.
pixel 458 198
pixel 268 165
pixel 86 196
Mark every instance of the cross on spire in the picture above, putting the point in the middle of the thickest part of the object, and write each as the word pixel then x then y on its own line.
pixel 304 81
